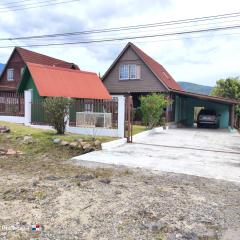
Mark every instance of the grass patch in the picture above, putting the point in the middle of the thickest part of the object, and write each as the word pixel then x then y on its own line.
pixel 41 154
pixel 138 129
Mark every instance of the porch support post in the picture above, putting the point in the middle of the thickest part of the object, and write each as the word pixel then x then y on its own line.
pixel 232 108
pixel 27 106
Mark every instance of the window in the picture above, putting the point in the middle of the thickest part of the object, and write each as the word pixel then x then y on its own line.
pixel 132 72
pixel 10 72
pixel 124 72
pixel 129 71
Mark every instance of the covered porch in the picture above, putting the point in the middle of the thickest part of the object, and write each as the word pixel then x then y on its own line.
pixel 187 105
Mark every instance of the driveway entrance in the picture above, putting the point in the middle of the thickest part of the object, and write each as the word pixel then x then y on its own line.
pixel 200 152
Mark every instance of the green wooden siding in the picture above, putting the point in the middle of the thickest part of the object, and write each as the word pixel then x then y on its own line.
pixel 184 110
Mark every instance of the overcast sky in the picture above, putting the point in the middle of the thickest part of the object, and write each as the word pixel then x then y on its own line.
pixel 202 58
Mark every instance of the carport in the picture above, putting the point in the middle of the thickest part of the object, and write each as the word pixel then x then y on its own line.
pixel 186 102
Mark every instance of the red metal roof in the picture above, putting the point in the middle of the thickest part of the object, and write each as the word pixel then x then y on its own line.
pixel 61 82
pixel 160 72
pixel 33 57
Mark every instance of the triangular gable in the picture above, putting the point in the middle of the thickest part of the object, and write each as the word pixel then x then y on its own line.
pixel 158 70
pixel 6 65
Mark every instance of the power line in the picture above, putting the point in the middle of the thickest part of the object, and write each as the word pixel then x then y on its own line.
pixel 9 3
pixel 130 38
pixel 127 28
pixel 18 4
pixel 37 6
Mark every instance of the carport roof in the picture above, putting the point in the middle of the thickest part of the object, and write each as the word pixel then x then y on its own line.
pixel 207 97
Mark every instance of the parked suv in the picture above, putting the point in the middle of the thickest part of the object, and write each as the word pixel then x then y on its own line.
pixel 207 117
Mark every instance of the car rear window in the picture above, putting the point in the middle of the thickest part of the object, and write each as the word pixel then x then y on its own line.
pixel 207 112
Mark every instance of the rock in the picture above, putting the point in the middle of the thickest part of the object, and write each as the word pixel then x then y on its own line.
pixel 35 183
pixel 4 129
pixel 80 146
pixel 27 139
pixel 19 153
pixel 97 144
pixel 73 144
pixel 3 152
pixel 85 177
pixel 88 148
pixel 56 140
pixel 79 140
pixel 105 180
pixel 64 143
pixel 87 145
pixel 190 236
pixel 117 192
pixel 52 178
pixel 83 143
pixel 32 198
pixel 11 152
pixel 155 226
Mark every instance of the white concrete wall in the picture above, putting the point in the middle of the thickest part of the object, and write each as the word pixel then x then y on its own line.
pixel 93 131
pixel 28 100
pixel 12 119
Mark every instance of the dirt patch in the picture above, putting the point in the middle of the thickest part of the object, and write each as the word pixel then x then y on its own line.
pixel 74 202
pixel 79 203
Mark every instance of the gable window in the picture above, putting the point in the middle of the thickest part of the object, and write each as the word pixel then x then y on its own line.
pixel 129 71
pixel 132 71
pixel 124 72
pixel 10 73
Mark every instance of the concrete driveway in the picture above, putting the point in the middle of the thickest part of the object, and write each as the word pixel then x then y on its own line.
pixel 201 152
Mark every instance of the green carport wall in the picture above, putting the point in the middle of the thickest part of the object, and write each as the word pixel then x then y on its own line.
pixel 184 110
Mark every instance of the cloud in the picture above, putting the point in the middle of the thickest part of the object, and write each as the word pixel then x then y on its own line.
pixel 192 58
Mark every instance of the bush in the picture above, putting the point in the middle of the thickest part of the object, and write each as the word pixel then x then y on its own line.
pixel 152 108
pixel 57 110
pixel 137 114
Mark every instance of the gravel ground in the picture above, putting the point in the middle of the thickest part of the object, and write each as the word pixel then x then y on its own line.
pixel 117 203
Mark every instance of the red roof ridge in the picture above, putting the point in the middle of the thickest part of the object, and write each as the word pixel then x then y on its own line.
pixel 34 57
pixel 58 68
pixel 157 69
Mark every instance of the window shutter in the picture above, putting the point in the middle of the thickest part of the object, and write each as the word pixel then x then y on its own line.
pixel 138 72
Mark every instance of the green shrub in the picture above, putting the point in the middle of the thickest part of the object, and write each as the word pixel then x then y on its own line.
pixel 57 110
pixel 152 108
pixel 137 114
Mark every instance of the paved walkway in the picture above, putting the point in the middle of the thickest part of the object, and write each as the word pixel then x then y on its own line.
pixel 201 152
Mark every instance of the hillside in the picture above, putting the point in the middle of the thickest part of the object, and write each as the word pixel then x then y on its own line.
pixel 196 88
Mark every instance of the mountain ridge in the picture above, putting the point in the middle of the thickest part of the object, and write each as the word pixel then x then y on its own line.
pixel 196 88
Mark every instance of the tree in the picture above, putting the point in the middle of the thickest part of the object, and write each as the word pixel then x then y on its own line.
pixel 57 110
pixel 228 88
pixel 152 108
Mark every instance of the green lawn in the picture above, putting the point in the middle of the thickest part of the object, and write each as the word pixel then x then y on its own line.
pixel 42 140
pixel 138 129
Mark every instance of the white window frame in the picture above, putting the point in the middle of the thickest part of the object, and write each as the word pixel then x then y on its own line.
pixel 128 68
pixel 123 67
pixel 10 74
pixel 131 67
